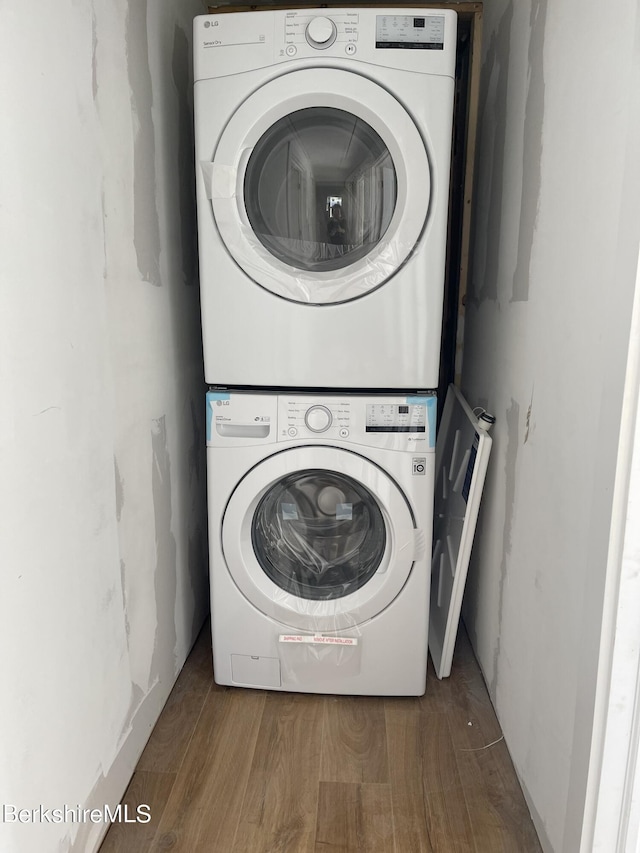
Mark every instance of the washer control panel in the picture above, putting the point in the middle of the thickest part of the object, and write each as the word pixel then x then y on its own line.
pixel 391 421
pixel 305 417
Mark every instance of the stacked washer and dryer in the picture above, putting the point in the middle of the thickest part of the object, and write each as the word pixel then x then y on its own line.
pixel 323 142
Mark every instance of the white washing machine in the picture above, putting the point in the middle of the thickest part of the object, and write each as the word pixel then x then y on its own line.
pixel 323 142
pixel 320 520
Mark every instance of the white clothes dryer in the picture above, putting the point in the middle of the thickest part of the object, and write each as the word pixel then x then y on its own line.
pixel 320 519
pixel 323 141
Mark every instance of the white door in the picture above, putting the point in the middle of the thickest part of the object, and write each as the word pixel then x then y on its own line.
pixel 319 538
pixel 308 145
pixel 462 456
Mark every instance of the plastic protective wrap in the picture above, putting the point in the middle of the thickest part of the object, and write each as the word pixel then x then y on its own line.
pixel 320 540
pixel 319 536
pixel 333 273
pixel 321 658
pixel 319 210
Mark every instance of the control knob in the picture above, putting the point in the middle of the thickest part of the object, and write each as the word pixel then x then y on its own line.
pixel 321 32
pixel 318 418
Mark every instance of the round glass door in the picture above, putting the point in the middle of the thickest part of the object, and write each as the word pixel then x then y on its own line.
pixel 320 189
pixel 318 538
pixel 318 534
pixel 320 186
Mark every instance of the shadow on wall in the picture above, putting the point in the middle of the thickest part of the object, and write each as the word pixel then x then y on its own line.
pixel 165 576
pixel 166 250
pixel 146 220
pixel 182 78
pixel 495 144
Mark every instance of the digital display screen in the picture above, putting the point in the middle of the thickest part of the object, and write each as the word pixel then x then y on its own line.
pixel 395 417
pixel 395 429
pixel 406 32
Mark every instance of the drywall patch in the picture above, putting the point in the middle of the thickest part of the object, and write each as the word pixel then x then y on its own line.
pixel 496 72
pixel 137 698
pixel 119 489
pixel 94 56
pixel 529 423
pixel 123 581
pixel 146 223
pixel 180 69
pixel 64 845
pixel 107 598
pixel 88 832
pixel 512 420
pixel 103 205
pixel 165 578
pixel 196 450
pixel 532 151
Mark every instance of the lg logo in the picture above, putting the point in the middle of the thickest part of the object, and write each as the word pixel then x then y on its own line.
pixel 211 23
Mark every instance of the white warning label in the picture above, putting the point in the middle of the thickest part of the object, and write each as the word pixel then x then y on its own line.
pixel 318 639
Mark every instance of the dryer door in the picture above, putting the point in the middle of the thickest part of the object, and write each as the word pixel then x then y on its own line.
pixel 318 538
pixel 320 186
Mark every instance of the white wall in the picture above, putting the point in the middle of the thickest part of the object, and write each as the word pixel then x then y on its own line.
pixel 547 331
pixel 102 509
pixel 613 792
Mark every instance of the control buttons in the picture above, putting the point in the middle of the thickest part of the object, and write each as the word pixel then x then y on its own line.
pixel 318 418
pixel 291 50
pixel 321 32
pixel 350 49
pixel 344 432
pixel 292 432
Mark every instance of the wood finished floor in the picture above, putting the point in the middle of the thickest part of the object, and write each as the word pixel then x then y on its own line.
pixel 229 770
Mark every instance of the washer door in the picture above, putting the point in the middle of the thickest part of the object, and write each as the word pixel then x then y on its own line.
pixel 320 186
pixel 318 538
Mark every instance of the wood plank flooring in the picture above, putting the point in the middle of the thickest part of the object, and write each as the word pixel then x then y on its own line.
pixel 229 770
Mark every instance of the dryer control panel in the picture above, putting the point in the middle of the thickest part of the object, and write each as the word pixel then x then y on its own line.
pixel 406 39
pixel 321 31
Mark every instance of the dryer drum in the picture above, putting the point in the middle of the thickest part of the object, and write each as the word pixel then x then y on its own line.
pixel 318 534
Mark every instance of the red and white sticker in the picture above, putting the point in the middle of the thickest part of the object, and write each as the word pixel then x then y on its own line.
pixel 318 639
